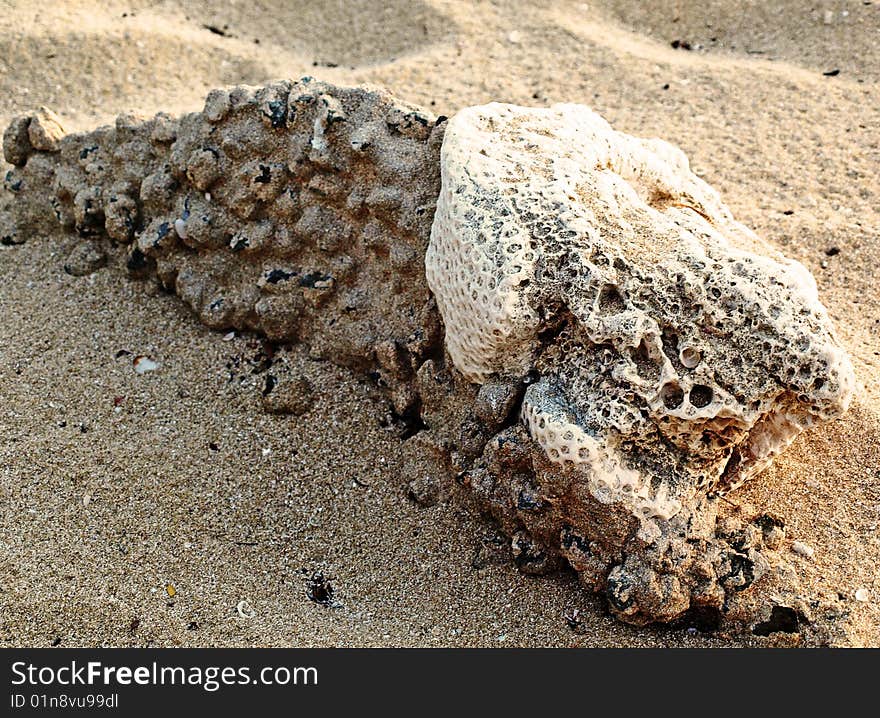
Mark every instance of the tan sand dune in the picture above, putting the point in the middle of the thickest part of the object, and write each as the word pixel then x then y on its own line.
pixel 116 486
pixel 824 36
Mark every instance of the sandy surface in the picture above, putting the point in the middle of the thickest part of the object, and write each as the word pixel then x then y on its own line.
pixel 118 490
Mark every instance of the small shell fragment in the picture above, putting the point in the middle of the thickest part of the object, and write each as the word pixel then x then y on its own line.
pixel 690 357
pixel 862 595
pixel 143 364
pixel 803 549
pixel 244 610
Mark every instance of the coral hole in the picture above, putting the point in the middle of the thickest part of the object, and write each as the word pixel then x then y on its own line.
pixel 700 395
pixel 672 395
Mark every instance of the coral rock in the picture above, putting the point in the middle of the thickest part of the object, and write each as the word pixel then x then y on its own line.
pixel 618 350
pixel 676 353
pixel 600 260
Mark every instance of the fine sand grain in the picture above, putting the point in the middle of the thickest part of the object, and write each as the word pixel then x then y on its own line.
pixel 166 508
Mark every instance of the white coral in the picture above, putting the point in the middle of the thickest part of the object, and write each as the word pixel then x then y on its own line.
pixel 663 330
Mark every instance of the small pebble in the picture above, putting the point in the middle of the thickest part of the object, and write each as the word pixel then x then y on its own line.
pixel 862 595
pixel 287 394
pixel 45 130
pixel 803 549
pixel 496 401
pixel 86 258
pixel 774 537
pixel 217 105
pixel 424 490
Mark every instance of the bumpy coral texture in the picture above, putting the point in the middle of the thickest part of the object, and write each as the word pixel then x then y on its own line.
pixel 299 210
pixel 673 356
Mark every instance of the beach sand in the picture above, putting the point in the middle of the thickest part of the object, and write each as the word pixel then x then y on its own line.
pixel 166 509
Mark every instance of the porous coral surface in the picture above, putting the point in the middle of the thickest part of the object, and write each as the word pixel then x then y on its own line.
pixel 672 356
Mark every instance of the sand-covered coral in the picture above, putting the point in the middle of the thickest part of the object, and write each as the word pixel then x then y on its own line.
pixel 617 348
pixel 298 210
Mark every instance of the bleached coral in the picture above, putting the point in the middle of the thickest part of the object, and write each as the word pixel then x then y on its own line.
pixel 601 261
